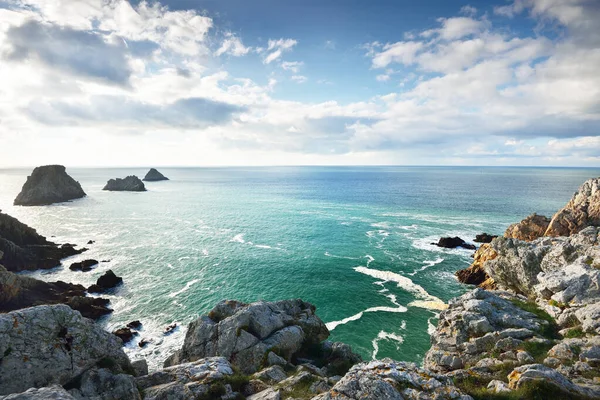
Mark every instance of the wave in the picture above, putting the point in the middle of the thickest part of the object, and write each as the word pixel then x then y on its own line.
pixel 428 263
pixel 334 324
pixel 407 284
pixel 185 288
pixel 327 254
pixel 383 335
pixel 239 238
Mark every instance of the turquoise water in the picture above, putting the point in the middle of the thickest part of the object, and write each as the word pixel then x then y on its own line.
pixel 354 241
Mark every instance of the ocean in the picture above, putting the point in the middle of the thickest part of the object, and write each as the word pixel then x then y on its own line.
pixel 354 241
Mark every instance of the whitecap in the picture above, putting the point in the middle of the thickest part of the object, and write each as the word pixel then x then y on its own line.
pixel 383 335
pixel 239 238
pixel 185 288
pixel 328 254
pixel 427 264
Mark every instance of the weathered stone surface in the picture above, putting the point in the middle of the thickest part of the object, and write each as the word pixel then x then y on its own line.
pixel 246 333
pixel 154 175
pixel 51 344
pixel 47 185
pixel 531 228
pixel 129 184
pixel 268 394
pixel 583 210
pixel 388 379
pixel 140 367
pixel 106 282
pixel 102 384
pixel 125 334
pixel 17 292
pixel 475 274
pixel 454 242
pixel 83 266
pixel 24 249
pixel 272 374
pixel 484 238
pixel 538 373
pixel 54 392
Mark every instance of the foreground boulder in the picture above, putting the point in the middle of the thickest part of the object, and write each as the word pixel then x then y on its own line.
pixel 54 392
pixel 454 242
pixel 388 379
pixel 583 210
pixel 153 175
pixel 245 333
pixel 17 292
pixel 47 345
pixel 25 250
pixel 47 185
pixel 129 184
pixel 531 228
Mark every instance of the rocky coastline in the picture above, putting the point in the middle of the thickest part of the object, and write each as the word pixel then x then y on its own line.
pixel 49 184
pixel 531 330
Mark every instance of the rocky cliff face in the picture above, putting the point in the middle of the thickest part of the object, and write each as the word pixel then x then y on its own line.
pixel 47 185
pixel 529 229
pixel 583 210
pixel 153 175
pixel 25 249
pixel 129 184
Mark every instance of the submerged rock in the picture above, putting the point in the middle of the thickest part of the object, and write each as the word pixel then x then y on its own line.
pixel 25 250
pixel 125 334
pixel 583 210
pixel 106 282
pixel 245 333
pixel 129 184
pixel 454 242
pixel 84 266
pixel 48 345
pixel 531 228
pixel 153 175
pixel 47 185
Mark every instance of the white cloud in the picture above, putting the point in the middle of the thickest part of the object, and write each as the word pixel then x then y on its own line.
pixel 276 48
pixel 383 77
pixel 299 78
pixel 399 52
pixel 293 66
pixel 232 45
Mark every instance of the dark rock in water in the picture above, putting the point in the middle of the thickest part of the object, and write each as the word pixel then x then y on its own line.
pixel 47 185
pixel 454 242
pixel 107 281
pixel 83 266
pixel 137 325
pixel 17 292
pixel 153 175
pixel 26 250
pixel 485 238
pixel 91 242
pixel 531 228
pixel 125 334
pixel 130 184
pixel 144 342
pixel 170 329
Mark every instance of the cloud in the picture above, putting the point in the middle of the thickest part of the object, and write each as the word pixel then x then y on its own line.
pixel 232 45
pixel 299 78
pixel 293 66
pixel 79 52
pixel 276 48
pixel 399 52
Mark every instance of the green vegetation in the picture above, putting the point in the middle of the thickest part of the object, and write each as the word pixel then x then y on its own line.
pixel 301 391
pixel 237 381
pixel 558 304
pixel 550 329
pixel 537 350
pixel 575 333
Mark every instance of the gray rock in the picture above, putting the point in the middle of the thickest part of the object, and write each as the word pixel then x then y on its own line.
pixel 102 384
pixel 269 394
pixel 497 386
pixel 583 210
pixel 45 345
pixel 153 175
pixel 537 373
pixel 246 333
pixel 47 185
pixel 272 374
pixel 54 392
pixel 129 184
pixel 274 359
pixel 140 367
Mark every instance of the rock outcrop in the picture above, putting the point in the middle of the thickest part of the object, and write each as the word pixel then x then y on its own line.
pixel 485 238
pixel 17 292
pixel 45 345
pixel 129 184
pixel 475 274
pixel 153 175
pixel 246 333
pixel 83 266
pixel 583 210
pixel 454 242
pixel 24 249
pixel 531 228
pixel 106 282
pixel 47 185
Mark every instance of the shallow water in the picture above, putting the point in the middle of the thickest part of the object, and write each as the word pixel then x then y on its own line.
pixel 354 241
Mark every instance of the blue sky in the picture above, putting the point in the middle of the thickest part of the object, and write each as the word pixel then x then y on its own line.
pixel 83 82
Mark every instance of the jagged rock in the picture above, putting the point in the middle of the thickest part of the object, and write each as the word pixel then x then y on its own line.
pixel 246 333
pixel 531 228
pixel 47 345
pixel 83 266
pixel 137 325
pixel 140 367
pixel 184 381
pixel 268 394
pixel 388 379
pixel 583 210
pixel 272 374
pixel 17 292
pixel 538 373
pixel 475 274
pixel 497 386
pixel 170 329
pixel 454 242
pixel 54 392
pixel 103 384
pixel 154 175
pixel 473 325
pixel 106 282
pixel 47 185
pixel 129 184
pixel 25 249
pixel 337 358
pixel 485 238
pixel 125 334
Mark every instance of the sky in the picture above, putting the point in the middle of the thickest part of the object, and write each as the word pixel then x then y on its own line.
pixel 312 82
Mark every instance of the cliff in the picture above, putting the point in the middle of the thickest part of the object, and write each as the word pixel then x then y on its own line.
pixel 47 185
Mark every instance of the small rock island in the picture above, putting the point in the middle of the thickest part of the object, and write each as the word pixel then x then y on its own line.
pixel 130 184
pixel 153 175
pixel 49 184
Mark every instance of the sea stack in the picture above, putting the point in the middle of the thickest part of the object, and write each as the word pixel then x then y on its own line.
pixel 130 184
pixel 153 175
pixel 47 185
